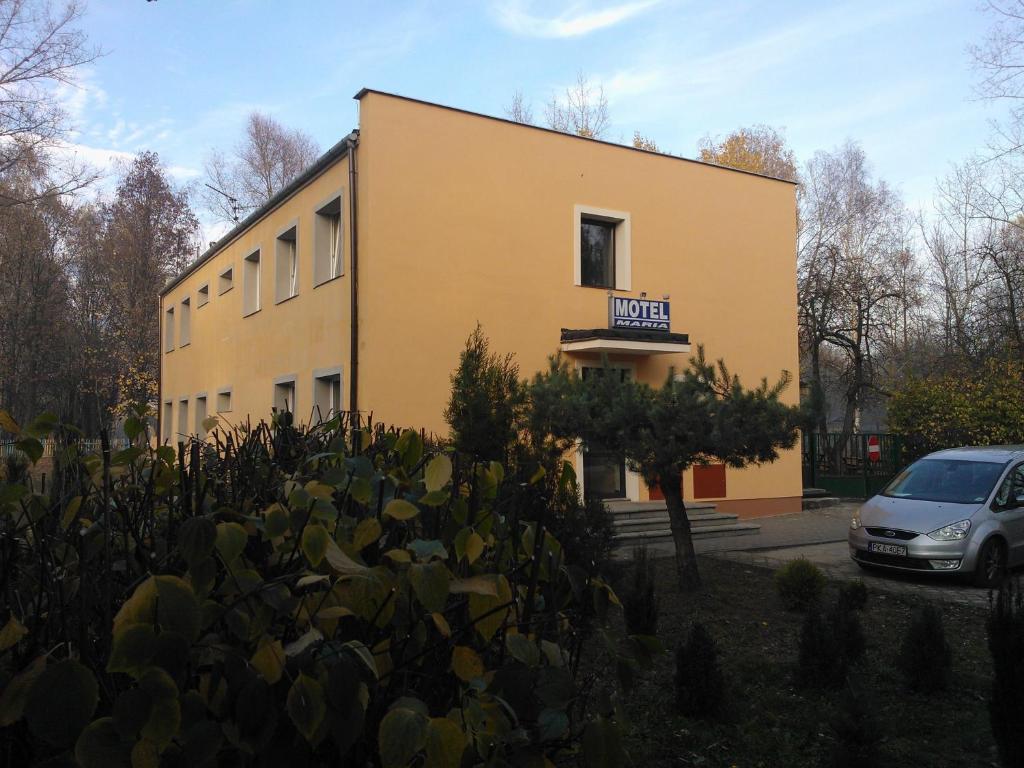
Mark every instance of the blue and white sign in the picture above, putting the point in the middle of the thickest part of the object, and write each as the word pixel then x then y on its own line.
pixel 647 314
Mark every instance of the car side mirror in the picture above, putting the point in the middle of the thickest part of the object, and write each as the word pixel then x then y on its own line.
pixel 1017 501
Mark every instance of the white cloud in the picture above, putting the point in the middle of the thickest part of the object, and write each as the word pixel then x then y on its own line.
pixel 579 18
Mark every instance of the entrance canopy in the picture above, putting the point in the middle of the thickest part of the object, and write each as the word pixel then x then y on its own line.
pixel 624 341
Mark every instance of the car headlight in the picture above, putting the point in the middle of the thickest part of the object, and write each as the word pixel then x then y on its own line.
pixel 952 532
pixel 855 521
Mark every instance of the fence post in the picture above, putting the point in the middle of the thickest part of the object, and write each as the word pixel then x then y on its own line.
pixel 864 462
pixel 813 455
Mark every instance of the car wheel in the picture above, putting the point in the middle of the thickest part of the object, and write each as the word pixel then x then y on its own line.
pixel 991 567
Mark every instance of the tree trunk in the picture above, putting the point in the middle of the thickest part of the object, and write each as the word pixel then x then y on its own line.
pixel 686 558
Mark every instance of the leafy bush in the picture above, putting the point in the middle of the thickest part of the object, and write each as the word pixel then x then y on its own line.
pixel 1006 644
pixel 322 596
pixel 924 657
pixel 857 731
pixel 799 584
pixel 639 602
pixel 831 641
pixel 700 686
pixel 854 594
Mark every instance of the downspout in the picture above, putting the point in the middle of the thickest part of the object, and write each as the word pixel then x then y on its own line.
pixel 159 367
pixel 353 365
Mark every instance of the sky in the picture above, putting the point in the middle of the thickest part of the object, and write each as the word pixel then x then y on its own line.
pixel 179 76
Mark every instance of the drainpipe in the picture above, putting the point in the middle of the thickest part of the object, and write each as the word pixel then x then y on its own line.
pixel 353 366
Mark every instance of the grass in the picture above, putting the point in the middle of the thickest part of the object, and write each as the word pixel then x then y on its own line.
pixel 772 722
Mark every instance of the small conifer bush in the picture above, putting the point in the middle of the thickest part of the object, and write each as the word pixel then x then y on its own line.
pixel 700 686
pixel 831 641
pixel 856 730
pixel 854 594
pixel 1006 644
pixel 640 603
pixel 924 658
pixel 799 584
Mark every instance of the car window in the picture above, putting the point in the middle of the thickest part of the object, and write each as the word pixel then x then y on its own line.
pixel 948 480
pixel 1012 487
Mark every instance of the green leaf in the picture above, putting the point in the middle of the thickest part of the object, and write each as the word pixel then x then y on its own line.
pixel 475 585
pixel 460 542
pixel 70 512
pixel 306 705
pixel 276 521
pixel 231 540
pixel 132 649
pixel 196 539
pixel 445 743
pixel 132 428
pixel 400 509
pixel 127 456
pixel 433 498
pixel 11 633
pixel 360 490
pixel 11 492
pixel 8 424
pixel 100 746
pixel 177 607
pixel 410 448
pixel 341 562
pixel 466 663
pixel 402 734
pixel 41 426
pixel 165 714
pixel 438 473
pixel 12 700
pixel 430 583
pixel 61 703
pixel 269 660
pixel 31 447
pixel 367 532
pixel 523 649
pixel 474 547
pixel 314 543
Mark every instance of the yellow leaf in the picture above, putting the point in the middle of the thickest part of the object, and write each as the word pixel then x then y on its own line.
pixel 442 624
pixel 8 424
pixel 269 661
pixel 319 490
pixel 438 473
pixel 341 562
pixel 466 663
pixel 399 555
pixel 70 512
pixel 12 632
pixel 334 612
pixel 210 423
pixel 474 547
pixel 400 509
pixel 367 532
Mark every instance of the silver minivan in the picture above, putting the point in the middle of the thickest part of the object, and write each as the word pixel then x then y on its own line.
pixel 958 511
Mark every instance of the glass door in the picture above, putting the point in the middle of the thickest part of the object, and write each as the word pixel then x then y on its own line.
pixel 604 469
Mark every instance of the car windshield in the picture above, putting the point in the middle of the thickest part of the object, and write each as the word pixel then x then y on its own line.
pixel 949 480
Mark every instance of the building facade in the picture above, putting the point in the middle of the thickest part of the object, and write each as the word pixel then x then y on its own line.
pixel 356 287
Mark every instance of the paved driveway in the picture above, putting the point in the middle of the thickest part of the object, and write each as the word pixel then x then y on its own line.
pixel 820 536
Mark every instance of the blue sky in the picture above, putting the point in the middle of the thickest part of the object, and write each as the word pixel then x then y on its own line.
pixel 180 76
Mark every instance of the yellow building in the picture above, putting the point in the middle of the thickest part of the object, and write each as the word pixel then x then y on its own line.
pixel 357 286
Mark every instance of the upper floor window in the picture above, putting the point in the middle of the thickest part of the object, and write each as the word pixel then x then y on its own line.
pixel 169 330
pixel 284 394
pixel 226 281
pixel 327 245
pixel 251 280
pixel 601 245
pixel 203 295
pixel 186 322
pixel 287 264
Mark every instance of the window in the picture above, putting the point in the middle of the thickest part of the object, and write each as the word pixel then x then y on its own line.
pixel 327 245
pixel 597 253
pixel 226 281
pixel 286 256
pixel 1012 490
pixel 167 423
pixel 186 322
pixel 601 245
pixel 200 430
pixel 326 393
pixel 284 394
pixel 183 418
pixel 224 400
pixel 251 279
pixel 169 330
pixel 203 295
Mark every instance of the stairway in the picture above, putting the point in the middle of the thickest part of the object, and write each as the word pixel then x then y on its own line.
pixel 818 498
pixel 646 522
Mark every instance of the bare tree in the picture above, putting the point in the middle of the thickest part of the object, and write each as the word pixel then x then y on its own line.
pixel 519 110
pixel 40 48
pixel 267 158
pixel 582 110
pixel 644 142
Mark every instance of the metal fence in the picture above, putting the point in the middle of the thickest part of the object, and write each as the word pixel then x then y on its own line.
pixel 845 465
pixel 49 446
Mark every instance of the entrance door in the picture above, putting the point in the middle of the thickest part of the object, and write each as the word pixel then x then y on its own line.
pixel 604 470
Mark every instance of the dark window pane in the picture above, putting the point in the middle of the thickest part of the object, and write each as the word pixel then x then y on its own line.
pixel 597 253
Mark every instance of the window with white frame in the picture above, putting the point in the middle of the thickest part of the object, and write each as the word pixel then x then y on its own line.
pixel 601 248
pixel 327 244
pixel 284 394
pixel 183 425
pixel 167 423
pixel 286 251
pixel 200 430
pixel 251 283
pixel 186 322
pixel 326 393
pixel 226 281
pixel 203 295
pixel 169 330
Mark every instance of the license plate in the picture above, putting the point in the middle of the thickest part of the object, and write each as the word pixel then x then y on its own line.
pixel 887 549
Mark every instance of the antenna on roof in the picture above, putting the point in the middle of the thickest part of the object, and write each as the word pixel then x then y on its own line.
pixel 233 201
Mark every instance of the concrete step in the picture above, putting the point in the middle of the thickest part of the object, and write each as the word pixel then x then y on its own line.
pixel 654 521
pixel 637 538
pixel 815 493
pixel 820 502
pixel 620 508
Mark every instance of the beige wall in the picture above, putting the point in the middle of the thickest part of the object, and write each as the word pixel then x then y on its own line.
pixel 466 219
pixel 300 335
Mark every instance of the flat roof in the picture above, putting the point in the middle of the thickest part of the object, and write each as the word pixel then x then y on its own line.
pixel 363 91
